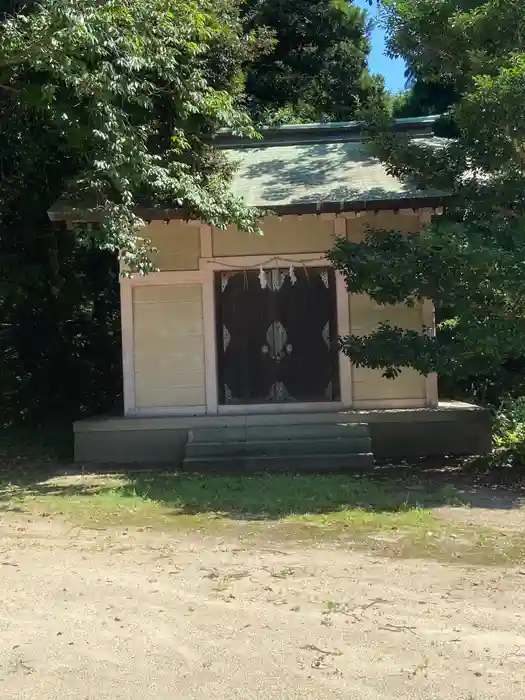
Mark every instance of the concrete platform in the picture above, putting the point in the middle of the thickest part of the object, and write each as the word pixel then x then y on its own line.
pixel 453 428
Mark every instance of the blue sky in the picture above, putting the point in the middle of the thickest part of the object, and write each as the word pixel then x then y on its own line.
pixel 392 69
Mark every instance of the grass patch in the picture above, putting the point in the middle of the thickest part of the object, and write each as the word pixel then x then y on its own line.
pixel 278 496
pixel 389 517
pixel 391 513
pixel 322 500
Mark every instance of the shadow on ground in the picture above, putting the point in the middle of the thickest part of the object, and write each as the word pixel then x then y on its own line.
pixel 37 462
pixel 268 496
pixel 275 496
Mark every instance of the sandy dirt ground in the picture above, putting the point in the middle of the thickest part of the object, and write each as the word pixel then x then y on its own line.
pixel 118 615
pixel 498 508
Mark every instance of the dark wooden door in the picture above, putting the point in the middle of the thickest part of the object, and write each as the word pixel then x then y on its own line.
pixel 244 313
pixel 277 340
pixel 307 310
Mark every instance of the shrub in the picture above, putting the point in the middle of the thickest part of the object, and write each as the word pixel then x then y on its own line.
pixel 509 433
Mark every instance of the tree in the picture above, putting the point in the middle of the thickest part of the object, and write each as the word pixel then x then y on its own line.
pixel 114 100
pixel 470 262
pixel 126 92
pixel 317 68
pixel 424 98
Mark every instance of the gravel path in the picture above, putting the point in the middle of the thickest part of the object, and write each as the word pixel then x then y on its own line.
pixel 116 615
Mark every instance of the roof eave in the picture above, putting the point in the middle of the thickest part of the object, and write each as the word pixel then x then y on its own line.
pixel 151 213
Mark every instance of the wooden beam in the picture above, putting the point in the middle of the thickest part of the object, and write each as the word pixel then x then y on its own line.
pixel 210 343
pixel 206 241
pixel 343 329
pixel 340 227
pixel 431 381
pixel 128 343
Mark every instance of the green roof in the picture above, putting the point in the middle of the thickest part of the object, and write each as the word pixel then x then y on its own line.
pixel 321 174
pixel 303 168
pixel 326 166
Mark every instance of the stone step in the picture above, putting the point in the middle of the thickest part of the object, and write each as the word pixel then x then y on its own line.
pixel 317 463
pixel 280 418
pixel 338 445
pixel 278 432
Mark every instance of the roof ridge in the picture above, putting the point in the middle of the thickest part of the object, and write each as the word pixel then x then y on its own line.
pixel 322 132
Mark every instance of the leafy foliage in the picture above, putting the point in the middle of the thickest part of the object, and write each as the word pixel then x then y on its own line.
pixel 470 262
pixel 127 92
pixel 117 99
pixel 509 433
pixel 506 464
pixel 317 68
pixel 424 98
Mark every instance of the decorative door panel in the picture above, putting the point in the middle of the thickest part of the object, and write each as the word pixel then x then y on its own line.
pixel 277 336
pixel 244 314
pixel 305 307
